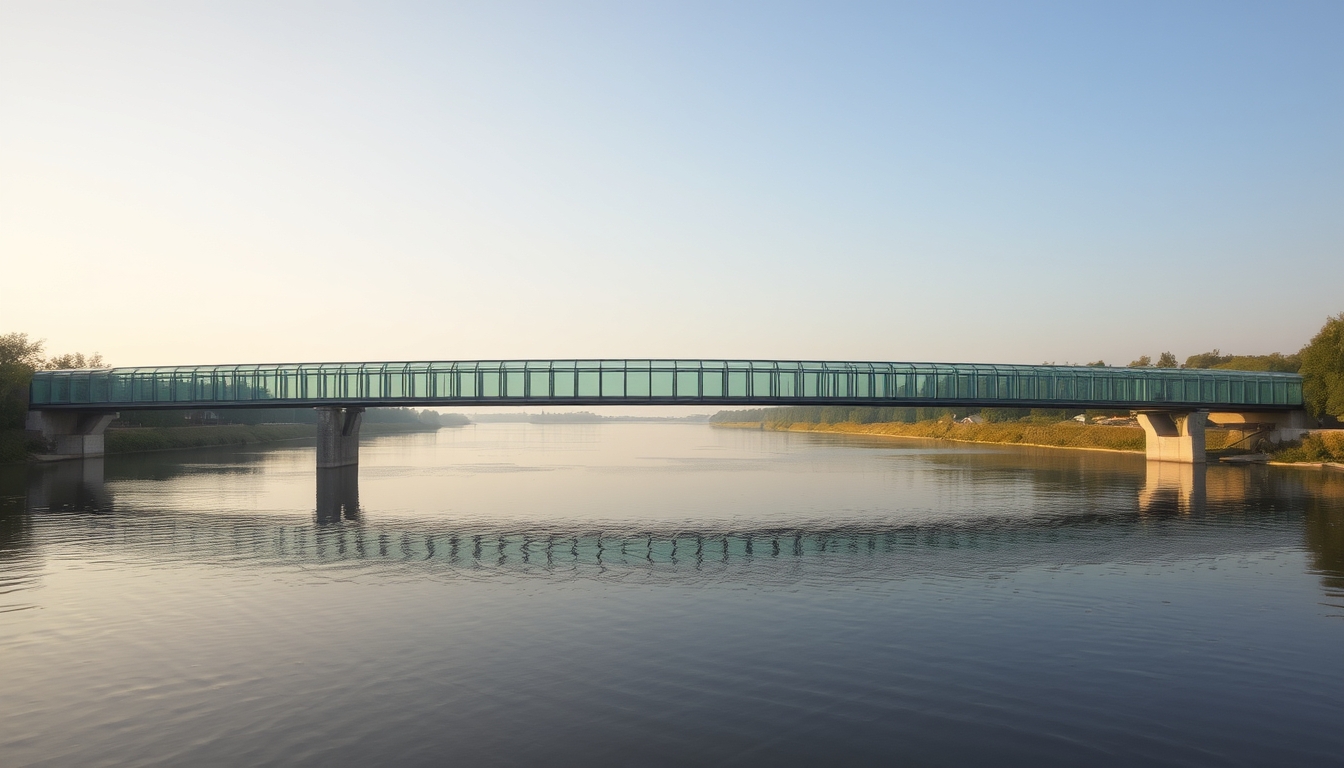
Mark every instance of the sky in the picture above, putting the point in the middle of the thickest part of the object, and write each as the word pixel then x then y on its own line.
pixel 186 182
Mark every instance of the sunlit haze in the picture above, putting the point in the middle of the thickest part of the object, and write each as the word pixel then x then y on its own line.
pixel 993 182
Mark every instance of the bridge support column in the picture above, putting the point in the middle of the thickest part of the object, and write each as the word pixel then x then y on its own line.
pixel 1174 436
pixel 338 436
pixel 69 434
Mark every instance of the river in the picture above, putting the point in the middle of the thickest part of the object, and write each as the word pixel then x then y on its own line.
pixel 669 594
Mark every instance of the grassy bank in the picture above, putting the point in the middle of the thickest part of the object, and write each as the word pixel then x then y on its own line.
pixel 1315 448
pixel 1058 435
pixel 14 446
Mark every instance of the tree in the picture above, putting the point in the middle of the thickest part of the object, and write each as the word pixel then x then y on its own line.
pixel 19 357
pixel 16 349
pixel 1166 360
pixel 1144 361
pixel 1207 359
pixel 74 360
pixel 1097 364
pixel 1323 370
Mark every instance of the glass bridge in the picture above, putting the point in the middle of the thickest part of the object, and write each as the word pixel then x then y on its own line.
pixel 660 382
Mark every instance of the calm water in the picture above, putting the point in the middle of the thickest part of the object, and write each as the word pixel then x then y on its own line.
pixel 635 594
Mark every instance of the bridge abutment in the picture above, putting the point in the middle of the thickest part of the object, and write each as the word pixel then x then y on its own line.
pixel 69 434
pixel 338 436
pixel 1252 429
pixel 1174 436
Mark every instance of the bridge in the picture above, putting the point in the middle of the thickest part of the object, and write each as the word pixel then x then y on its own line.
pixel 71 409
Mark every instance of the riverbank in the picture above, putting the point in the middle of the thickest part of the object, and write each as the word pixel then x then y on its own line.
pixel 1060 435
pixel 14 446
pixel 1318 449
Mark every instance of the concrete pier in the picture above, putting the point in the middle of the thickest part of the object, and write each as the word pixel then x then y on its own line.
pixel 338 436
pixel 69 434
pixel 1174 436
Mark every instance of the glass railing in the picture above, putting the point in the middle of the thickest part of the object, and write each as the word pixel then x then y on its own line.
pixel 614 382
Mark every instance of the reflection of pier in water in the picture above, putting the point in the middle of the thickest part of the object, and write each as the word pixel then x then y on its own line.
pixel 1181 512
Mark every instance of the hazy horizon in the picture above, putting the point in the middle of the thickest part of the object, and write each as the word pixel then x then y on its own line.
pixel 968 182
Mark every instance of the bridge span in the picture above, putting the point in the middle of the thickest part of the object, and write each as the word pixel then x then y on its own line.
pixel 71 409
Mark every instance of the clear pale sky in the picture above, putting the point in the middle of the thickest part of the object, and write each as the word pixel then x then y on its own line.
pixel 1000 182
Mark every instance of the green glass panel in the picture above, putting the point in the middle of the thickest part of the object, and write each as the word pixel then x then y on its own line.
pixel 839 384
pixel 737 383
pixel 923 385
pixel 513 383
pixel 79 388
pixel 60 389
pixel 637 383
pixel 760 383
pixel 711 383
pixel 490 384
pixel 441 384
pixel 660 383
pixel 613 383
pixel 563 382
pixel 266 386
pixel 590 383
pixel 40 392
pixel 688 383
pixel 100 388
pixel 538 383
pixel 811 383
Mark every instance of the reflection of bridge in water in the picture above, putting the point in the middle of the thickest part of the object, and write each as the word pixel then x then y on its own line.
pixel 1176 515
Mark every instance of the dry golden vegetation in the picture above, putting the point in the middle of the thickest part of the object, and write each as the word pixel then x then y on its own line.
pixel 1065 434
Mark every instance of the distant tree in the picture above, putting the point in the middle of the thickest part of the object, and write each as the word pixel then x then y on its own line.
pixel 1166 360
pixel 1206 359
pixel 1097 364
pixel 1144 361
pixel 74 360
pixel 1272 362
pixel 1323 370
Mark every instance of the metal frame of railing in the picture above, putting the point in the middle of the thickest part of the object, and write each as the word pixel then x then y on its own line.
pixel 658 382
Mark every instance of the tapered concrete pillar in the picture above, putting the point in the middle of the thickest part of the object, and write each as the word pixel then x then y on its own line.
pixel 69 434
pixel 1174 436
pixel 338 436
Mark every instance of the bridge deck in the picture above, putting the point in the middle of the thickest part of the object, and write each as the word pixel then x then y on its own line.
pixel 661 382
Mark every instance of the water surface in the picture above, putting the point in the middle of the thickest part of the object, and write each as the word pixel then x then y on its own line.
pixel 635 594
